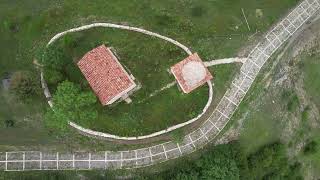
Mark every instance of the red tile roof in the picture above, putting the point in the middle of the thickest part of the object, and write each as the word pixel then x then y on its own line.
pixel 106 76
pixel 191 73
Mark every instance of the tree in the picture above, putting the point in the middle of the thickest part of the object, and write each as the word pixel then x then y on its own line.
pixel 71 104
pixel 220 164
pixel 53 76
pixel 187 176
pixel 54 58
pixel 227 161
pixel 271 162
pixel 24 84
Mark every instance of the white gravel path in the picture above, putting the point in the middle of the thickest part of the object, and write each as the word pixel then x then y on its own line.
pixel 225 61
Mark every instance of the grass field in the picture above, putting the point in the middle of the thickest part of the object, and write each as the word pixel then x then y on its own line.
pixel 310 66
pixel 276 113
pixel 259 129
pixel 214 29
pixel 148 59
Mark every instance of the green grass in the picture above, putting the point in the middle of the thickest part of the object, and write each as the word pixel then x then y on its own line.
pixel 149 63
pixel 207 27
pixel 260 114
pixel 292 100
pixel 312 160
pixel 305 114
pixel 260 127
pixel 265 121
pixel 145 114
pixel 310 66
pixel 310 69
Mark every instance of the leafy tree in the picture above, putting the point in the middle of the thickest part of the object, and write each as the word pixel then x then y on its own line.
pixel 187 176
pixel 228 162
pixel 24 85
pixel 54 58
pixel 71 104
pixel 221 169
pixel 220 164
pixel 53 76
pixel 271 162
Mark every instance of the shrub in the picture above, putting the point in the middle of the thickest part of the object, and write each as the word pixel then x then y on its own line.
pixel 271 162
pixel 24 84
pixel 292 100
pixel 54 58
pixel 12 27
pixel 286 94
pixel 197 11
pixel 9 123
pixel 305 114
pixel 53 76
pixel 293 103
pixel 227 161
pixel 310 148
